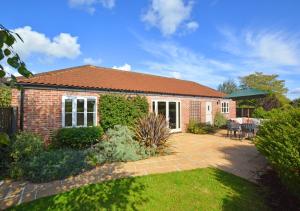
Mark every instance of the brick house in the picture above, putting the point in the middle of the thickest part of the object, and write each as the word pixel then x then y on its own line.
pixel 69 98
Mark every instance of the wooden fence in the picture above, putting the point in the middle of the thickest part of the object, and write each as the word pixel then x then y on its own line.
pixel 8 120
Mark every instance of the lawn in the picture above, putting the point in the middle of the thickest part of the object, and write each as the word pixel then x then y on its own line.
pixel 200 189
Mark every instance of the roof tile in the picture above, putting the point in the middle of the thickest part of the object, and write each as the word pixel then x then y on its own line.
pixel 105 78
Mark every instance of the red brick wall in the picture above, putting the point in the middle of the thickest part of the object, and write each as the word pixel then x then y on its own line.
pixel 42 108
pixel 185 104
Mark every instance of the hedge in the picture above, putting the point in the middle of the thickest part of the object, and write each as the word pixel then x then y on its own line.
pixel 77 138
pixel 5 97
pixel 279 140
pixel 121 110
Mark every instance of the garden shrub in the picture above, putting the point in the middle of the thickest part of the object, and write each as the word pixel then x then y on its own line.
pixel 200 128
pixel 54 165
pixel 260 113
pixel 279 140
pixel 24 146
pixel 5 96
pixel 152 131
pixel 118 145
pixel 4 154
pixel 121 110
pixel 77 138
pixel 220 120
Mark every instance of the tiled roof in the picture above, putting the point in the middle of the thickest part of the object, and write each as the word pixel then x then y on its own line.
pixel 91 77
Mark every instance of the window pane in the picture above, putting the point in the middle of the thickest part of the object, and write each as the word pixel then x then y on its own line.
pixel 172 115
pixel 80 119
pixel 153 107
pixel 90 119
pixel 80 105
pixel 162 108
pixel 68 105
pixel 91 105
pixel 68 119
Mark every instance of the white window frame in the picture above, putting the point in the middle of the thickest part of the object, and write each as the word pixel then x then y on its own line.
pixel 74 110
pixel 225 107
pixel 178 116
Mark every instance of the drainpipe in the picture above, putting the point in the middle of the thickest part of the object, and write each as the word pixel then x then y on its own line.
pixel 22 109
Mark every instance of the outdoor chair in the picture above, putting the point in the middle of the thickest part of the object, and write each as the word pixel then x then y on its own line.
pixel 233 129
pixel 249 130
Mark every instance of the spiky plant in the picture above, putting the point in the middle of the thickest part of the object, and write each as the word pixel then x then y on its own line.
pixel 152 131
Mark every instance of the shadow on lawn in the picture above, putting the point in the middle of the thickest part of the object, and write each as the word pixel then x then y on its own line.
pixel 120 194
pixel 244 161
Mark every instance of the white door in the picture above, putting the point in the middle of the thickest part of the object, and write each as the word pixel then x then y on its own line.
pixel 208 112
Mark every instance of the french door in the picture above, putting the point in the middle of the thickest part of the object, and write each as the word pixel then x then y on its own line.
pixel 171 111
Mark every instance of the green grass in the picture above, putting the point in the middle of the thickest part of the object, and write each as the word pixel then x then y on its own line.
pixel 201 189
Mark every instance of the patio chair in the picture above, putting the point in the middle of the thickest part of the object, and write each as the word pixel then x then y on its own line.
pixel 234 129
pixel 249 130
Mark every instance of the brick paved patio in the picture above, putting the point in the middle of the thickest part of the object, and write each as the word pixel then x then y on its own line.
pixel 189 151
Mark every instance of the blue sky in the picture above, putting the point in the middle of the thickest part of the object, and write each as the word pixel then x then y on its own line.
pixel 207 41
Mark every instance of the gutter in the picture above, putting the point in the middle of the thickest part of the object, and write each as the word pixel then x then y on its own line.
pixel 117 91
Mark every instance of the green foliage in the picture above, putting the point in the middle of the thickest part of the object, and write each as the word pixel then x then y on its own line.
pixel 121 110
pixel 153 132
pixel 260 113
pixel 263 114
pixel 5 97
pixel 269 83
pixel 228 87
pixel 219 120
pixel 4 154
pixel 200 128
pixel 7 39
pixel 24 146
pixel 296 103
pixel 118 145
pixel 77 138
pixel 279 140
pixel 4 139
pixel 54 165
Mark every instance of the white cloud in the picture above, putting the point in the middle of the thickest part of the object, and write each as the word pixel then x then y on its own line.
pixel 92 61
pixel 265 48
pixel 180 62
pixel 63 45
pixel 295 91
pixel 125 67
pixel 192 26
pixel 168 16
pixel 90 5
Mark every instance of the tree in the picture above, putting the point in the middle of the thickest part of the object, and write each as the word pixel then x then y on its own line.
pixel 7 39
pixel 228 86
pixel 264 82
pixel 296 103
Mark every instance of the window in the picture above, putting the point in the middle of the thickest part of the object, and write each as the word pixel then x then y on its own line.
pixel 225 107
pixel 79 111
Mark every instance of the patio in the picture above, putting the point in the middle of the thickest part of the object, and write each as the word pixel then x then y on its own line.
pixel 189 151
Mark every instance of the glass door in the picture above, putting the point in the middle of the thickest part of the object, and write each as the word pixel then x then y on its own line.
pixel 171 111
pixel 172 115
